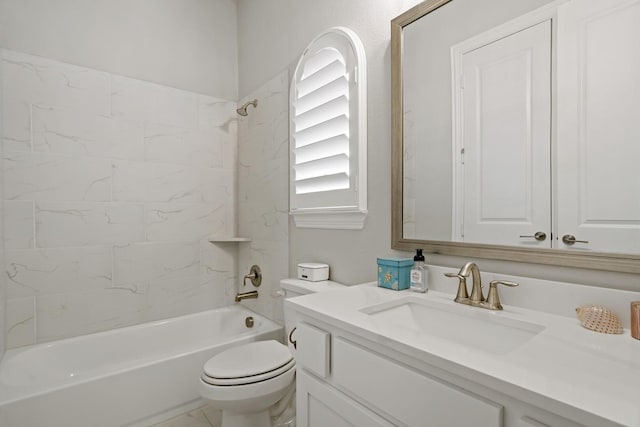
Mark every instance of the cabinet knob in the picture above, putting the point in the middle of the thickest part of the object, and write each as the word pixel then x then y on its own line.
pixel 540 236
pixel 570 239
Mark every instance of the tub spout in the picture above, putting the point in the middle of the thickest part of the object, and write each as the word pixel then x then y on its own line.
pixel 246 295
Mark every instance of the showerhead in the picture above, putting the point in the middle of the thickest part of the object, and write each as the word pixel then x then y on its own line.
pixel 243 110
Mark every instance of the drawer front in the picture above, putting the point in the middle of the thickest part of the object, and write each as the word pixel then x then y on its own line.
pixel 409 396
pixel 313 349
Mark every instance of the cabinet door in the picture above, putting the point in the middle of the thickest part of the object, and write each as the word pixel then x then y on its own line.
pixel 599 125
pixel 506 138
pixel 313 349
pixel 319 405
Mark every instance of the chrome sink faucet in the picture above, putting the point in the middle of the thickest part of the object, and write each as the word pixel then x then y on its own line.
pixel 477 299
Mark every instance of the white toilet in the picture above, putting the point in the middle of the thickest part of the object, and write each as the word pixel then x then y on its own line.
pixel 247 380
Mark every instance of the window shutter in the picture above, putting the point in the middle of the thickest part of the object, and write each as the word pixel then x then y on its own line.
pixel 328 133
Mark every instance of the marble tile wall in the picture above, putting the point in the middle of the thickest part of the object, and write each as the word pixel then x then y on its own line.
pixel 111 186
pixel 2 234
pixel 263 192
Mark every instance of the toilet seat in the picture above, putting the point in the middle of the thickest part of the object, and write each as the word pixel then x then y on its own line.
pixel 258 396
pixel 250 379
pixel 248 363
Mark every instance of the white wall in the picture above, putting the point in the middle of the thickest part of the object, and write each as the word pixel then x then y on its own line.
pixel 272 35
pixel 186 44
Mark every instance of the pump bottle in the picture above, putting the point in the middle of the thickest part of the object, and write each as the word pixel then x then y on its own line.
pixel 418 273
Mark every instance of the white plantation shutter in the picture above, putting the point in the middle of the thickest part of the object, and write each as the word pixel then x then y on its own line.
pixel 328 133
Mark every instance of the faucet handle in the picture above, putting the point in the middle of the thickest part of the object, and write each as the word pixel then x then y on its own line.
pixel 493 299
pixel 462 286
pixel 503 282
pixel 255 276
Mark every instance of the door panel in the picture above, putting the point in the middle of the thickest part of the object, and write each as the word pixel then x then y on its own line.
pixel 599 125
pixel 506 102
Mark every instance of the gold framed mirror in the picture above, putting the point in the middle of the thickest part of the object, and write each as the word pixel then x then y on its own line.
pixel 557 255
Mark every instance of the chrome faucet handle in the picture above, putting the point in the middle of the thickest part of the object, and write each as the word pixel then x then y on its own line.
pixel 462 294
pixel 493 298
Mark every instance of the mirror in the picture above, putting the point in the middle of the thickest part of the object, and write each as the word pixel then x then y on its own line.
pixel 502 135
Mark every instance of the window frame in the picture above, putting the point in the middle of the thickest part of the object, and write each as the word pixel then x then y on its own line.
pixel 340 215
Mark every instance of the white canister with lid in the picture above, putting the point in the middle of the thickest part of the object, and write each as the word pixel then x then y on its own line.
pixel 313 271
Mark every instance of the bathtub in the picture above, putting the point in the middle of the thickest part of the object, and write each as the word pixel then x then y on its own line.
pixel 133 376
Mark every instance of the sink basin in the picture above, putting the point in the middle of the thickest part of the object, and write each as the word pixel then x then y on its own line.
pixel 468 326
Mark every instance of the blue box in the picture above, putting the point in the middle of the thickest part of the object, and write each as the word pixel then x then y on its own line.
pixel 394 273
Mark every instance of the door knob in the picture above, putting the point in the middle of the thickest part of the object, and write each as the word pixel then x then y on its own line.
pixel 539 236
pixel 570 239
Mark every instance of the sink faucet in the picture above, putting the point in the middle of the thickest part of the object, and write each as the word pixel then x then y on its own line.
pixel 477 299
pixel 246 295
pixel 476 289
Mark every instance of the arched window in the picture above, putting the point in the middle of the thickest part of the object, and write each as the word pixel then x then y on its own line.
pixel 328 133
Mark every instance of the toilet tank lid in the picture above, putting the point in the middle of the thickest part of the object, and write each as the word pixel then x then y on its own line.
pixel 304 287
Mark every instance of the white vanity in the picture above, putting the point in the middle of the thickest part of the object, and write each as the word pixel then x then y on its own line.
pixel 368 356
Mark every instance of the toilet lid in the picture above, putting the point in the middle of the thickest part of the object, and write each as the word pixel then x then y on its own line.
pixel 247 360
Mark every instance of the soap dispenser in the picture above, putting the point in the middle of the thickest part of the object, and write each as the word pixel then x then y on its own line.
pixel 418 273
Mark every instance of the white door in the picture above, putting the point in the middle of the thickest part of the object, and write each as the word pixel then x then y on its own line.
pixel 598 164
pixel 506 128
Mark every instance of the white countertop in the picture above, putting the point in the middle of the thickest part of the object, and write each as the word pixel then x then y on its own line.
pixel 592 372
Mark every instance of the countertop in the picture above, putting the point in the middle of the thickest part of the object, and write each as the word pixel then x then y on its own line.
pixel 596 373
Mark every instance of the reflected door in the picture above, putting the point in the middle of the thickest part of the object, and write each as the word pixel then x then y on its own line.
pixel 504 160
pixel 599 125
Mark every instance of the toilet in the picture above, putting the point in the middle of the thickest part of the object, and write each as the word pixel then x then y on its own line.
pixel 246 381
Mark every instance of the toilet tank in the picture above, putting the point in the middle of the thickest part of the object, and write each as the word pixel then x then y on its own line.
pixel 296 287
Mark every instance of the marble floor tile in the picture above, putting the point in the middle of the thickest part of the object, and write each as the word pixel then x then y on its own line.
pixel 206 416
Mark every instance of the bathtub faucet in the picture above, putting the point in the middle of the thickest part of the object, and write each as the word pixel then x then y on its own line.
pixel 246 295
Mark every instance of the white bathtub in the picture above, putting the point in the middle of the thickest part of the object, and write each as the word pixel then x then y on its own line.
pixel 122 377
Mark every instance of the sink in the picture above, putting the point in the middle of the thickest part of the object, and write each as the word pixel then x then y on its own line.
pixel 472 327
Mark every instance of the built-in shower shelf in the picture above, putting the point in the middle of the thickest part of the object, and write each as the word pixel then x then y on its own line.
pixel 228 239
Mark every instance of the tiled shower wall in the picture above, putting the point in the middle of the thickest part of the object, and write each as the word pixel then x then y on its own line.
pixel 263 192
pixel 111 186
pixel 2 276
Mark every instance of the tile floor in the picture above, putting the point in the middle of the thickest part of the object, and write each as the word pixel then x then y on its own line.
pixel 206 416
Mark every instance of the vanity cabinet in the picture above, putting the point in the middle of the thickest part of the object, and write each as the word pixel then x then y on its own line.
pixel 369 384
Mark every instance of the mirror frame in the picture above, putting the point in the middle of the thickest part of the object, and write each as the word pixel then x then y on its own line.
pixel 624 263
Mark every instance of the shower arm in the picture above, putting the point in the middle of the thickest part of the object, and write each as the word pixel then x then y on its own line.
pixel 243 110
